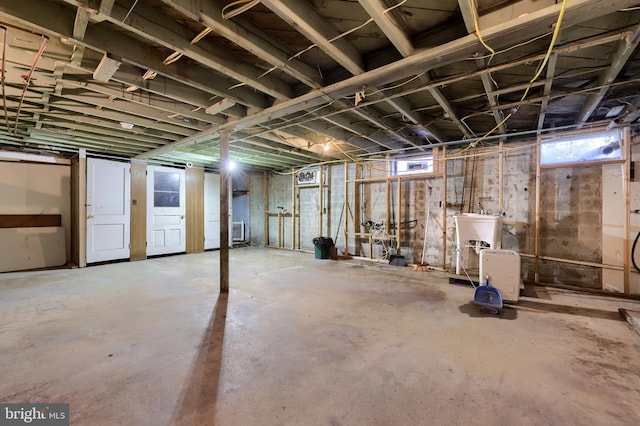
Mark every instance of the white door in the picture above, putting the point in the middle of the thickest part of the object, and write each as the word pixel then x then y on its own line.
pixel 211 211
pixel 108 210
pixel 165 210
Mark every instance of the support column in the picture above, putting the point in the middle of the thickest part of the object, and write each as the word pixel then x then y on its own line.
pixel 224 211
pixel 79 209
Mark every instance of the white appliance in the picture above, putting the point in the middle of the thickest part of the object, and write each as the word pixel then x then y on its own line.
pixel 503 269
pixel 476 228
pixel 238 231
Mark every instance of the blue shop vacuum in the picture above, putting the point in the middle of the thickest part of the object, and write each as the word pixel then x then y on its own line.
pixel 488 297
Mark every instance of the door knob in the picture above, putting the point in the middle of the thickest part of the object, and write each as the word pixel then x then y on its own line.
pixel 90 216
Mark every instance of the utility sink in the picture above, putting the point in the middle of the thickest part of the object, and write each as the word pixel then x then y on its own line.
pixel 478 228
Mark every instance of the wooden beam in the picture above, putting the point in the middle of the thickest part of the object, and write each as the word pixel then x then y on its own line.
pixel 29 220
pixel 224 211
pixel 619 58
pixel 304 19
pixel 389 25
pixel 551 70
pixel 138 250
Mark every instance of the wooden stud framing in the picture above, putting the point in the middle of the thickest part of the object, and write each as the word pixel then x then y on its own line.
pixel 444 208
pixel 500 176
pixel 346 209
pixel 626 181
pixel 294 209
pixel 265 206
pixel 321 199
pixel 537 214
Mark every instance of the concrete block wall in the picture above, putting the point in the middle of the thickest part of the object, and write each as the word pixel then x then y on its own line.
pixel 570 223
pixel 423 203
pixel 571 211
pixel 335 208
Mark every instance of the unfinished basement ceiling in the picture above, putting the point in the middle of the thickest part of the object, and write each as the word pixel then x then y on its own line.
pixel 298 82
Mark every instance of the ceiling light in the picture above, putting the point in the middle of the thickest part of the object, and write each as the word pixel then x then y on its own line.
pixel 106 68
pixel 126 125
pixel 326 146
pixel 131 88
pixel 613 112
pixel 231 165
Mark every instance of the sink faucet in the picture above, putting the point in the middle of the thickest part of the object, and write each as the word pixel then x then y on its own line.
pixel 481 209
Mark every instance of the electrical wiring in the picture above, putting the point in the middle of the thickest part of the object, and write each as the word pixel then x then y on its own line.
pixel 339 36
pixel 507 49
pixel 474 13
pixel 27 80
pixel 130 10
pixel 201 35
pixel 172 58
pixel 535 77
pixel 415 77
pixel 243 5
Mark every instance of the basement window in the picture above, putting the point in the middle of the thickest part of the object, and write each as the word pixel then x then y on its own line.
pixel 582 148
pixel 413 166
pixel 166 189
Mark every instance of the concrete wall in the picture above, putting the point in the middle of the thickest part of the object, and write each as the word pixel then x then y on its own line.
pixel 571 212
pixel 240 201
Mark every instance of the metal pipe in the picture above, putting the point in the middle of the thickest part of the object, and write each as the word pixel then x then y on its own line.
pixel 45 39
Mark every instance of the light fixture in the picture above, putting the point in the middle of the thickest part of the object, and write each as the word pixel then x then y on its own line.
pixel 126 125
pixel 106 68
pixel 613 112
pixel 231 165
pixel 220 106
pixel 131 88
pixel 326 146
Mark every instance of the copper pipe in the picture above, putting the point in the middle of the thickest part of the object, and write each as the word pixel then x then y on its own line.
pixel 28 80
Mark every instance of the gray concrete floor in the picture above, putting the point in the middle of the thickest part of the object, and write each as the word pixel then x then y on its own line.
pixel 301 341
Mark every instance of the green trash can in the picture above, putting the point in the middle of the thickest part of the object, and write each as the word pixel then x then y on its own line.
pixel 323 247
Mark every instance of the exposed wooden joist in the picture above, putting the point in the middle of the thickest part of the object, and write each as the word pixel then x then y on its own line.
pixel 546 92
pixel 487 83
pixel 300 16
pixel 259 45
pixel 165 32
pixel 621 54
pixel 50 18
pixel 389 25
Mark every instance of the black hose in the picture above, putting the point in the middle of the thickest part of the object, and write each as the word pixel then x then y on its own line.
pixel 633 252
